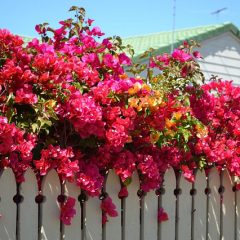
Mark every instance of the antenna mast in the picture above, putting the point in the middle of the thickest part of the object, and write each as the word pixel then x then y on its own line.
pixel 173 24
pixel 217 12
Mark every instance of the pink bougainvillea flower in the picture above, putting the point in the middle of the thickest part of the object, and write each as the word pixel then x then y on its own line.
pixel 162 215
pixel 90 21
pixel 238 186
pixel 123 192
pixel 104 218
pixel 68 211
pixel 181 55
pixel 26 95
pixel 125 165
pixel 188 174
pixel 40 29
pixel 108 208
pixel 89 178
pixel 164 58
pixel 197 54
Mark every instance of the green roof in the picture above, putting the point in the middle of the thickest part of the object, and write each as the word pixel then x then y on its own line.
pixel 162 41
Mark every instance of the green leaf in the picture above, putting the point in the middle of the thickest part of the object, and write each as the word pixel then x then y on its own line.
pixel 10 113
pixel 44 122
pixel 82 11
pixel 10 98
pixel 35 127
pixel 127 181
pixel 73 8
pixel 186 134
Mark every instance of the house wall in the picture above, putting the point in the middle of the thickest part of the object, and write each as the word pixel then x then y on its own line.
pixel 221 57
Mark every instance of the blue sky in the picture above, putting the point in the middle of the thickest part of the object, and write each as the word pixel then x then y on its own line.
pixel 123 18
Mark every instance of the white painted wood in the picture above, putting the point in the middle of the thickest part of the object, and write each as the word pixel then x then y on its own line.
pixel 94 219
pixel 185 209
pixel 50 208
pixel 200 199
pixel 7 206
pixel 228 207
pixel 132 227
pixel 168 204
pixel 29 208
pixel 214 205
pixel 73 231
pixel 113 226
pixel 238 213
pixel 150 215
pixel 221 56
pixel 51 189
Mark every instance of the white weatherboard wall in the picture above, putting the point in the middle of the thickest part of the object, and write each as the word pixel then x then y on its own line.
pixel 194 213
pixel 221 57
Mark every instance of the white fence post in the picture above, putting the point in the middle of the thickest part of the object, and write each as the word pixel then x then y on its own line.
pixel 7 206
pixel 214 205
pixel 168 204
pixel 132 210
pixel 150 215
pixel 29 208
pixel 200 221
pixel 73 231
pixel 113 227
pixel 238 213
pixel 228 207
pixel 185 208
pixel 93 219
pixel 50 209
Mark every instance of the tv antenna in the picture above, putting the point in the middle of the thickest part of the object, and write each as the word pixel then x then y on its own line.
pixel 218 11
pixel 173 24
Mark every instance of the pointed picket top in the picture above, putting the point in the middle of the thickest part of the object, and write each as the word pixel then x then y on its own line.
pixel 228 206
pixel 7 206
pixel 73 231
pixel 132 212
pixel 214 205
pixel 185 209
pixel 29 208
pixel 168 204
pixel 50 208
pixel 200 211
pixel 113 227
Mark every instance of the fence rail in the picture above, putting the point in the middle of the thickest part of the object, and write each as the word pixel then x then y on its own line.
pixel 207 209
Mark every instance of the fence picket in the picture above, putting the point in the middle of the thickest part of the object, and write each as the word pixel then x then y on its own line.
pixel 93 218
pixel 50 209
pixel 228 207
pixel 73 231
pixel 168 204
pixel 203 220
pixel 214 205
pixel 132 210
pixel 185 208
pixel 150 216
pixel 200 218
pixel 113 227
pixel 7 206
pixel 238 214
pixel 29 208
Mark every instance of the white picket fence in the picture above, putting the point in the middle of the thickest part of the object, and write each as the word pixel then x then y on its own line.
pixel 207 209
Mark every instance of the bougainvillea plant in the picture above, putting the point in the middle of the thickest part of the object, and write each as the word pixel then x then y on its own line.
pixel 74 102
